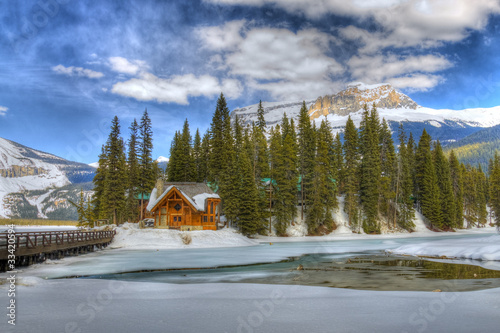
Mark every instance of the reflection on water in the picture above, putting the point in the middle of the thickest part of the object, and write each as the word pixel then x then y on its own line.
pixel 370 272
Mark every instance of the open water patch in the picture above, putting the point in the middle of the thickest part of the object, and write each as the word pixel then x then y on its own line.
pixel 365 271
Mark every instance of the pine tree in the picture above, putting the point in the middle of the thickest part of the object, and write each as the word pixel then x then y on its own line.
pixel 470 196
pixel 351 158
pixel 198 158
pixel 323 194
pixel 306 152
pixel 98 198
pixel 204 157
pixel 427 188
pixel 148 169
pixel 221 141
pixel 188 167
pixel 115 181
pixel 458 190
pixel 387 190
pixel 443 176
pixel 174 167
pixel 370 169
pixel 250 219
pixel 404 184
pixel 495 188
pixel 132 211
pixel 481 195
pixel 286 177
pixel 338 163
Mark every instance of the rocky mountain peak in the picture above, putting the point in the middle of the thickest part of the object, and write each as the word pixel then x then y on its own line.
pixel 356 96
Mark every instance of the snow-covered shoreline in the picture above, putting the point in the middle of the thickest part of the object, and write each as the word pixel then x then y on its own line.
pixel 487 248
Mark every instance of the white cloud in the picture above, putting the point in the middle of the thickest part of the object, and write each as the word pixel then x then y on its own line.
pixel 416 82
pixel 288 65
pixel 176 89
pixel 3 110
pixel 405 22
pixel 122 65
pixel 77 71
pixel 411 72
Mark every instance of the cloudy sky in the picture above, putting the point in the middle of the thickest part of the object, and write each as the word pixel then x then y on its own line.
pixel 67 67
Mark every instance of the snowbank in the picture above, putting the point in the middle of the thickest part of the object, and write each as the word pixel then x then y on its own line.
pixel 129 236
pixel 486 248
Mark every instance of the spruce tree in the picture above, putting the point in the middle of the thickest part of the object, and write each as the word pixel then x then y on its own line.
pixel 221 141
pixel 351 179
pixel 495 188
pixel 250 218
pixel 197 157
pixel 148 169
pixel 481 195
pixel 188 167
pixel 387 190
pixel 115 182
pixel 428 199
pixel 132 211
pixel 404 184
pixel 98 198
pixel 458 190
pixel 338 163
pixel 323 194
pixel 306 154
pixel 443 176
pixel 370 169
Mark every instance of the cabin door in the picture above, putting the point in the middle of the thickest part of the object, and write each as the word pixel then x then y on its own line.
pixel 176 220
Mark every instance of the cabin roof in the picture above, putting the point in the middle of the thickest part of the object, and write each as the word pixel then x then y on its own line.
pixel 195 193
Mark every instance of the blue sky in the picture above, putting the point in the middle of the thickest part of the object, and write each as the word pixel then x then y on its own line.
pixel 67 67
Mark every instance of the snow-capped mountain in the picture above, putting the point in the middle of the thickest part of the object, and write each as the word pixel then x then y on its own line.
pixel 24 169
pixel 445 125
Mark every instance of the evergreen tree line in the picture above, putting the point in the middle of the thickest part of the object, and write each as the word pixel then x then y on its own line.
pixel 272 176
pixel 126 173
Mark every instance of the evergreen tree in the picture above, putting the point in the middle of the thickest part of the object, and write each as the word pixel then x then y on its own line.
pixel 188 167
pixel 204 157
pixel 115 183
pixel 481 195
pixel 351 158
pixel 388 176
pixel 306 152
pixel 148 169
pixel 323 196
pixel 370 169
pixel 174 167
pixel 221 141
pixel 250 219
pixel 470 196
pixel 428 199
pixel 98 199
pixel 495 188
pixel 286 176
pixel 404 184
pixel 261 122
pixel 198 158
pixel 443 176
pixel 338 163
pixel 458 190
pixel 132 211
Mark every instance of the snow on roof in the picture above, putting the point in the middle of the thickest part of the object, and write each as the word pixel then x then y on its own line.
pixel 195 193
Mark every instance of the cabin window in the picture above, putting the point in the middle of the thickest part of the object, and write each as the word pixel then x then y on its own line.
pixel 211 207
pixel 177 207
pixel 205 218
pixel 211 218
pixel 179 219
pixel 175 218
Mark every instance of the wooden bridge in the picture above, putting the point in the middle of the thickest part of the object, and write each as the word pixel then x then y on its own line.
pixel 34 247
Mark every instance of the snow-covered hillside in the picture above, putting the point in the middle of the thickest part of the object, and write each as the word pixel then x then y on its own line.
pixel 25 169
pixel 394 106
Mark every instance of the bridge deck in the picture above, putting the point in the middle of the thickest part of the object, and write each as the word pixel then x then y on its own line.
pixel 32 243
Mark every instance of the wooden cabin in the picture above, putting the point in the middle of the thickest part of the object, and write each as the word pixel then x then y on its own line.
pixel 184 206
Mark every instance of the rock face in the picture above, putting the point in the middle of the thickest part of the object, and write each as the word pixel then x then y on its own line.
pixel 356 96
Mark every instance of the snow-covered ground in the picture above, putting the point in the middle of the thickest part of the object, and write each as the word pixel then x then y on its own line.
pixel 129 236
pixel 91 305
pixel 117 306
pixel 487 248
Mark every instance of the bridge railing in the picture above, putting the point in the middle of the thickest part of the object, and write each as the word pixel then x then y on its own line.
pixel 48 238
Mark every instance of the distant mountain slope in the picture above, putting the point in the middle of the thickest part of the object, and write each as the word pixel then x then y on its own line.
pixel 25 169
pixel 396 107
pixel 477 148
